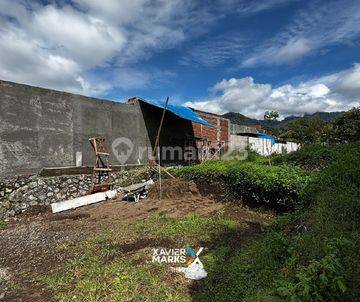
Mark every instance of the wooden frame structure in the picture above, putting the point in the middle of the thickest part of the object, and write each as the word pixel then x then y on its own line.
pixel 101 177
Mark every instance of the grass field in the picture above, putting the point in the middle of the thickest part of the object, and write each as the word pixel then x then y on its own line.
pixel 304 249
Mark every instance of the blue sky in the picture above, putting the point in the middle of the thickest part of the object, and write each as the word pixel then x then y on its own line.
pixel 223 55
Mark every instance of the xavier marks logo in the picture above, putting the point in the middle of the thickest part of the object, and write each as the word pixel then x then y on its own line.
pixel 194 269
pixel 176 256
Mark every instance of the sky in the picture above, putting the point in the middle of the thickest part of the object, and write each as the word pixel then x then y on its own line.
pixel 293 56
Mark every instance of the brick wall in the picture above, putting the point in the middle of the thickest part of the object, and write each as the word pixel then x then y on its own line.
pixel 219 133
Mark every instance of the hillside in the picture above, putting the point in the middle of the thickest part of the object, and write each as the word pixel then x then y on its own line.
pixel 240 119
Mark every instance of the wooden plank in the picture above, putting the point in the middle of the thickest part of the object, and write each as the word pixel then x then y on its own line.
pixel 82 201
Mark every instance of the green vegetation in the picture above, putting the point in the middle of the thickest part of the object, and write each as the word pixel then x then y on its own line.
pixel 103 268
pixel 271 115
pixel 189 228
pixel 99 272
pixel 307 255
pixel 344 128
pixel 275 125
pixel 3 224
pixel 315 157
pixel 253 181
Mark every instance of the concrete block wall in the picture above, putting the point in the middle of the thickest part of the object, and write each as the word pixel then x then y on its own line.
pixel 238 142
pixel 261 146
pixel 46 128
pixel 264 147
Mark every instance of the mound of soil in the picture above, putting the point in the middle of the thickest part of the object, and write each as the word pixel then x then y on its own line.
pixel 174 189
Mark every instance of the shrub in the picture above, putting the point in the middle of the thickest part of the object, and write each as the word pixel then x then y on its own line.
pixel 318 261
pixel 346 127
pixel 252 182
pixel 317 156
pixel 259 184
pixel 308 157
pixel 210 171
pixel 320 280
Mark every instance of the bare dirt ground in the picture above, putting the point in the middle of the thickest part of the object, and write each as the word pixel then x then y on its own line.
pixel 30 243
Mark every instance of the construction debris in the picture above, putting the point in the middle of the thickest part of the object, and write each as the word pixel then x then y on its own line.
pixel 137 191
pixel 82 201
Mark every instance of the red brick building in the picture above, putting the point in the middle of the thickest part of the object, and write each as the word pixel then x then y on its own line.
pixel 211 142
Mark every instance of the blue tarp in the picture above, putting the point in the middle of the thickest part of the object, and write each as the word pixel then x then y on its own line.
pixel 267 136
pixel 181 111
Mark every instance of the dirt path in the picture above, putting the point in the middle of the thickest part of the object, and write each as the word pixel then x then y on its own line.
pixel 31 244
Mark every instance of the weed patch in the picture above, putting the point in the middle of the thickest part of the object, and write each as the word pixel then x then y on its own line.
pixel 3 224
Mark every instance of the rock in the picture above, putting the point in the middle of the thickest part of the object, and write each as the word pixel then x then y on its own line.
pixel 33 185
pixel 57 190
pixel 4 274
pixel 33 203
pixel 8 190
pixel 42 197
pixel 32 197
pixel 49 194
pixel 6 204
pixel 12 196
pixel 2 193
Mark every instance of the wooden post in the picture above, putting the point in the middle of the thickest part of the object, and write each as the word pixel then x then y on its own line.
pixel 154 153
pixel 159 130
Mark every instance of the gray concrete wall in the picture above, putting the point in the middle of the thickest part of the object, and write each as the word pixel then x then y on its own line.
pixel 237 142
pixel 45 128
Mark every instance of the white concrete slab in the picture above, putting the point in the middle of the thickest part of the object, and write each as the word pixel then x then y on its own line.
pixel 82 201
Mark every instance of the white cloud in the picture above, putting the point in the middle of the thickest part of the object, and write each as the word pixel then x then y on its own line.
pixel 60 45
pixel 87 40
pixel 26 62
pixel 248 7
pixel 216 50
pixel 316 27
pixel 293 49
pixel 328 93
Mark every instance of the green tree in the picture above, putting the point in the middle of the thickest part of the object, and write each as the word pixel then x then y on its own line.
pixel 346 128
pixel 271 115
pixel 307 130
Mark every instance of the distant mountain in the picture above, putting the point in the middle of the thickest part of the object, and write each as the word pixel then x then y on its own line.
pixel 240 119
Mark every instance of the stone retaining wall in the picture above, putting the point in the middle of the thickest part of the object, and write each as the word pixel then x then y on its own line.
pixel 19 194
